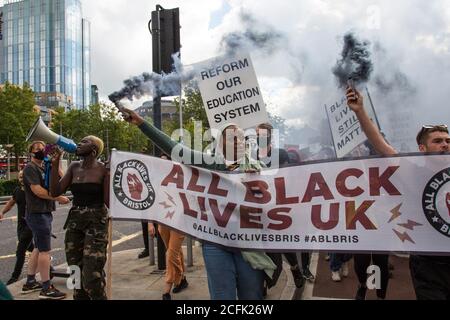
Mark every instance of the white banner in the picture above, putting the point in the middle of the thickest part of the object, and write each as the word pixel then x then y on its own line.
pixel 399 204
pixel 345 126
pixel 231 93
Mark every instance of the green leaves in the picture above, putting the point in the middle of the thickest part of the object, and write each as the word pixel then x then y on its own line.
pixel 102 121
pixel 17 115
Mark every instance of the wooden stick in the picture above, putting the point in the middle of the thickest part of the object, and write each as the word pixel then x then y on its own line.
pixel 109 262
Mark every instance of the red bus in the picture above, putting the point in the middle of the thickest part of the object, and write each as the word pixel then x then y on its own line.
pixel 12 163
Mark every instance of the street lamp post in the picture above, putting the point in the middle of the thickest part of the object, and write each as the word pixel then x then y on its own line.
pixel 8 150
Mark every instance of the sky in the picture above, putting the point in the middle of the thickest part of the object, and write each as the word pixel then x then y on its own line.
pixel 409 43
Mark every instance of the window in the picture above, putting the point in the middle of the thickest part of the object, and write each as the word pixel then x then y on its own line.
pixel 32 79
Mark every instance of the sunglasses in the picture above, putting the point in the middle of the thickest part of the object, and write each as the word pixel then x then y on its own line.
pixel 440 127
pixel 427 128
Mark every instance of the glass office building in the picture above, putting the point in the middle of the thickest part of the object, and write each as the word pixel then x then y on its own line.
pixel 46 43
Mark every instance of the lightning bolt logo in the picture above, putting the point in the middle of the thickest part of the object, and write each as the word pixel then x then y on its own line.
pixel 170 215
pixel 410 225
pixel 165 205
pixel 395 213
pixel 403 236
pixel 171 199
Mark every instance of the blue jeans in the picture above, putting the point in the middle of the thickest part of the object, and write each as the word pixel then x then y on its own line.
pixel 228 273
pixel 338 259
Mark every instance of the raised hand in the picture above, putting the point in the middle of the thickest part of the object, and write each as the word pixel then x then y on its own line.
pixel 135 186
pixel 354 99
pixel 130 116
pixel 55 154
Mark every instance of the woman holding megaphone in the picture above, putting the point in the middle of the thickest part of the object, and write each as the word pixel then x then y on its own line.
pixel 87 231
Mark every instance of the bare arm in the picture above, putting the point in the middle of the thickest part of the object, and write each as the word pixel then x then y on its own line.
pixel 106 186
pixel 59 186
pixel 356 102
pixel 7 207
pixel 40 192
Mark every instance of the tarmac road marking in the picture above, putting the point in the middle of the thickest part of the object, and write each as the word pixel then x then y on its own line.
pixel 14 255
pixel 9 218
pixel 126 238
pixel 7 257
pixel 114 243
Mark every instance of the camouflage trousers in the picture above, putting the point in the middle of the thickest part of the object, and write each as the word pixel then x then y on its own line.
pixel 86 243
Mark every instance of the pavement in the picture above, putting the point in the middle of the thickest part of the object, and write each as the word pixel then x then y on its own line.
pixel 400 286
pixel 134 279
pixel 126 235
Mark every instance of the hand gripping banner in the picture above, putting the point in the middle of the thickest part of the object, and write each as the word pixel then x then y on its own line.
pixel 399 204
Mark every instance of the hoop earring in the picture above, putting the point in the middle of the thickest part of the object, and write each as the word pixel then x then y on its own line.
pixel 94 152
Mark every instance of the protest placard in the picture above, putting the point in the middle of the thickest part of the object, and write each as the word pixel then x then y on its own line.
pixel 230 92
pixel 345 127
pixel 394 204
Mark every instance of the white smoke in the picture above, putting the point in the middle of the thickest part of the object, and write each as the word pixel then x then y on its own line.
pixel 410 46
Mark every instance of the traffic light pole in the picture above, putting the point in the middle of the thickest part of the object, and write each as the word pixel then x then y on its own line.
pixel 165 30
pixel 157 121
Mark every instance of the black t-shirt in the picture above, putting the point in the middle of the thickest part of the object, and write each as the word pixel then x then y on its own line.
pixel 437 259
pixel 34 175
pixel 19 198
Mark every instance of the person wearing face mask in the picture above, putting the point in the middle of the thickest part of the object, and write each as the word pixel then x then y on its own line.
pixel 39 207
pixel 232 273
pixel 24 234
pixel 86 226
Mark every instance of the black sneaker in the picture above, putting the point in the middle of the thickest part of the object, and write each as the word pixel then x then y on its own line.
pixel 361 293
pixel 52 294
pixel 183 285
pixel 308 275
pixel 11 281
pixel 144 254
pixel 31 287
pixel 166 296
pixel 298 278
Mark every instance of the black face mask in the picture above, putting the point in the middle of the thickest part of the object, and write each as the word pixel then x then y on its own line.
pixel 40 155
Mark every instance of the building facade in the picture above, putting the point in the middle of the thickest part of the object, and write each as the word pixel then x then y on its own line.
pixel 94 94
pixel 46 43
pixel 168 110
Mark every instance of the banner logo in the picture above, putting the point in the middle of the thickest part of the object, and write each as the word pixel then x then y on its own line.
pixel 132 185
pixel 436 202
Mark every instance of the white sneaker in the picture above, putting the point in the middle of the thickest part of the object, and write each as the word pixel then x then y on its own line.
pixel 335 276
pixel 345 269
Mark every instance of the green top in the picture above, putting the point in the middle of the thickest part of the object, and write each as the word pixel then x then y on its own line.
pixel 167 145
pixel 4 293
pixel 258 260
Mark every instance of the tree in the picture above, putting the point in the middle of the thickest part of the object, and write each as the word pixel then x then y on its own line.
pixel 193 110
pixel 18 116
pixel 103 121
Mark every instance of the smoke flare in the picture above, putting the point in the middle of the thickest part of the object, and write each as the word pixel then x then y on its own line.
pixel 356 62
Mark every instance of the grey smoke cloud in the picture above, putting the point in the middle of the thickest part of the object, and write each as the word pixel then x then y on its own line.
pixel 254 36
pixel 262 40
pixel 151 84
pixel 355 62
pixel 409 82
